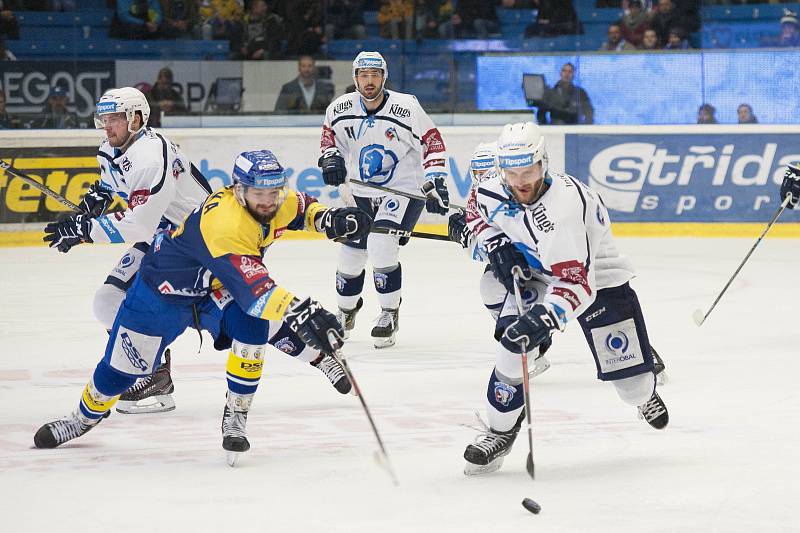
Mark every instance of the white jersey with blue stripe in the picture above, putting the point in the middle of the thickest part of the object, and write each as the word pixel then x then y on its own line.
pixel 565 235
pixel 397 145
pixel 159 183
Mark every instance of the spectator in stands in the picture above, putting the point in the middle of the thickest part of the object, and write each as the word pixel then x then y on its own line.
pixel 6 120
pixel 62 5
pixel 137 19
pixel 554 17
pixel 677 40
pixel 6 54
pixel 790 30
pixel 518 4
pixel 396 19
pixel 615 42
pixel 634 23
pixel 664 19
pixel 304 27
pixel 566 103
pixel 305 93
pixel 263 33
pixel 345 20
pixel 472 19
pixel 9 25
pixel 55 114
pixel 705 114
pixel 164 99
pixel 222 20
pixel 181 19
pixel 431 14
pixel 746 115
pixel 650 40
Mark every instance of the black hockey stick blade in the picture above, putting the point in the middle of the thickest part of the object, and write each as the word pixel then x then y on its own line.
pixel 529 466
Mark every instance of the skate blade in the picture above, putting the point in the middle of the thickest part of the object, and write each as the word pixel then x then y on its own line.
pixel 540 366
pixel 383 342
pixel 232 457
pixel 479 470
pixel 662 378
pixel 153 404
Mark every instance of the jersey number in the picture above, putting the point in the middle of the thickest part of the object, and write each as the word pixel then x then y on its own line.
pixel 350 132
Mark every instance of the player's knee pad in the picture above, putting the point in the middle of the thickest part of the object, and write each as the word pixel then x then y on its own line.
pixel 245 364
pixel 383 250
pixel 107 301
pixel 636 390
pixel 351 261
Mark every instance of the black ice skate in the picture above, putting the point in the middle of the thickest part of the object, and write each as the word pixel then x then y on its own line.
pixel 654 411
pixel 485 455
pixel 347 318
pixel 333 370
pixel 234 433
pixel 386 325
pixel 659 367
pixel 150 394
pixel 56 433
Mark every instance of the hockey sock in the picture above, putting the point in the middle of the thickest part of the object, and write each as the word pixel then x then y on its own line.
pixel 636 390
pixel 388 282
pixel 505 401
pixel 245 364
pixel 348 289
pixel 102 392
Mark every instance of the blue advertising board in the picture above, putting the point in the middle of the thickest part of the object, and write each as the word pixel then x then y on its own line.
pixel 685 177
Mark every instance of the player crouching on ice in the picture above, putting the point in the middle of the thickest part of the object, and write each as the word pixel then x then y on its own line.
pixel 209 275
pixel 557 232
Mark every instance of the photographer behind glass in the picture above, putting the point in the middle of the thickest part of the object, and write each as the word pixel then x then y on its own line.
pixel 564 103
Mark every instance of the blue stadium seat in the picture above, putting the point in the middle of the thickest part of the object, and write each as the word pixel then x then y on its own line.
pixel 55 33
pixel 516 16
pixel 110 49
pixel 607 15
pixel 100 17
pixel 759 12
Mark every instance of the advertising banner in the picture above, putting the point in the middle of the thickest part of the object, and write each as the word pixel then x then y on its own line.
pixel 27 84
pixel 685 177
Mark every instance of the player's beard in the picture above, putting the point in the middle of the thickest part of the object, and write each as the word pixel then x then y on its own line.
pixel 263 213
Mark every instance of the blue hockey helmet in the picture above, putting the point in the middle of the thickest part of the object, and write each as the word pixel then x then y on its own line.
pixel 259 177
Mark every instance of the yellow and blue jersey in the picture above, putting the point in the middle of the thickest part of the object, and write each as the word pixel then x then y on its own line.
pixel 221 245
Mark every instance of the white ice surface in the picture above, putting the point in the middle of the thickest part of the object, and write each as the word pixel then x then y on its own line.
pixel 727 461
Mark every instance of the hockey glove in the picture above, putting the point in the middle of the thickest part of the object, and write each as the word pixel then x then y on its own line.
pixel 67 233
pixel 438 197
pixel 457 229
pixel 791 185
pixel 345 223
pixel 334 169
pixel 313 324
pixel 529 330
pixel 503 257
pixel 96 200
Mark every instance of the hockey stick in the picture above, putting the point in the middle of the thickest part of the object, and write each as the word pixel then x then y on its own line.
pixel 518 277
pixel 401 193
pixel 36 185
pixel 699 317
pixel 381 457
pixel 416 234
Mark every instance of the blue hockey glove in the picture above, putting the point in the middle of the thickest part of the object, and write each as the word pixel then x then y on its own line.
pixel 791 185
pixel 457 229
pixel 313 323
pixel 349 223
pixel 529 330
pixel 503 257
pixel 334 168
pixel 438 197
pixel 67 233
pixel 96 200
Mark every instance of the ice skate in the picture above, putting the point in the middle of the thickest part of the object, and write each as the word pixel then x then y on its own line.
pixel 386 325
pixel 486 454
pixel 654 411
pixel 56 433
pixel 150 394
pixel 333 370
pixel 659 368
pixel 347 318
pixel 540 365
pixel 234 431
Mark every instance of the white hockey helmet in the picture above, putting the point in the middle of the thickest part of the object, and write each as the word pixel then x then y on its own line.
pixel 126 100
pixel 521 145
pixel 483 161
pixel 370 60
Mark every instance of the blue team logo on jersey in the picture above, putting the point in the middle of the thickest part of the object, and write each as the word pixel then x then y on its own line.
pixel 376 164
pixel 126 261
pixel 392 205
pixel 617 342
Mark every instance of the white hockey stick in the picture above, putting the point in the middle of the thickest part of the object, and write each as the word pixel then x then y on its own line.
pixel 698 315
pixel 518 278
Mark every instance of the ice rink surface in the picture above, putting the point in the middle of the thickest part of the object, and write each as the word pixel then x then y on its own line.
pixel 727 461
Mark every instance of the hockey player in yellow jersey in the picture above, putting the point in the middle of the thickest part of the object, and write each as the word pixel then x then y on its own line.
pixel 210 275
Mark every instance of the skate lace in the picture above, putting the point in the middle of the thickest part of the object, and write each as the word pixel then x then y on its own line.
pixel 385 320
pixel 141 384
pixel 652 409
pixel 487 440
pixel 331 368
pixel 67 429
pixel 235 423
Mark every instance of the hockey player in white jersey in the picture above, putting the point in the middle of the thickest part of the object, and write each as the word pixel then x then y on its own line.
pixel 389 141
pixel 557 231
pixel 495 297
pixel 161 187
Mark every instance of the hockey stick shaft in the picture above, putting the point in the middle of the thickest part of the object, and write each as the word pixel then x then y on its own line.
pixel 36 185
pixel 384 462
pixel 698 318
pixel 402 193
pixel 415 234
pixel 529 466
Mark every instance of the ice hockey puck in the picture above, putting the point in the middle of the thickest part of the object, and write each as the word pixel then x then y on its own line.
pixel 531 506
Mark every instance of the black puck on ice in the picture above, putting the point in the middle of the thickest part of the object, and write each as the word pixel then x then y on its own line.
pixel 531 506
